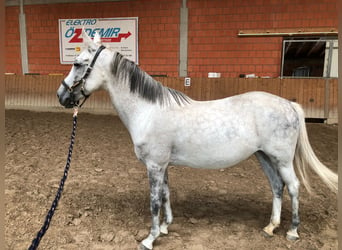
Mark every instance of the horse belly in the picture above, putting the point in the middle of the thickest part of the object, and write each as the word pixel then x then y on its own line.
pixel 214 138
pixel 211 155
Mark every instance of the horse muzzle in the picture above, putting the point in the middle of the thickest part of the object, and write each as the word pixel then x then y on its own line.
pixel 66 97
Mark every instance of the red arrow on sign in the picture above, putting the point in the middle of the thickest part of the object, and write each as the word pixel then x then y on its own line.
pixel 78 39
pixel 117 39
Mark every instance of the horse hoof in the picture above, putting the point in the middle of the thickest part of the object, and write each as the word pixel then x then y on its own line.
pixel 266 234
pixel 146 244
pixel 292 236
pixel 142 247
pixel 163 229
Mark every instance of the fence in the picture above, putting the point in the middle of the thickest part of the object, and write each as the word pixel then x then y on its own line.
pixel 39 92
pixel 318 96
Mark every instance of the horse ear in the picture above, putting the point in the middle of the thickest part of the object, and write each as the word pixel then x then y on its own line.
pixel 87 41
pixel 97 39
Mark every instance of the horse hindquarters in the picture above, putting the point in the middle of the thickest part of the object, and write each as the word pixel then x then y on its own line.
pixel 278 167
pixel 276 156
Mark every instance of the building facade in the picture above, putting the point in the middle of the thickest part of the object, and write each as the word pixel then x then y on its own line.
pixel 188 38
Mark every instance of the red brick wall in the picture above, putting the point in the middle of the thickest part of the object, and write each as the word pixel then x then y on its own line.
pixel 213 44
pixel 158 33
pixel 12 41
pixel 214 24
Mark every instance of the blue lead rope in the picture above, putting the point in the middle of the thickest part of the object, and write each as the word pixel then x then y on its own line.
pixel 44 228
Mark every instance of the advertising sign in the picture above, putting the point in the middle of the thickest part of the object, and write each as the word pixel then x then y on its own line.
pixel 120 34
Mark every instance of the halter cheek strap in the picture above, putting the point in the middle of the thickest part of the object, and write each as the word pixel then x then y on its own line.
pixel 83 79
pixel 90 67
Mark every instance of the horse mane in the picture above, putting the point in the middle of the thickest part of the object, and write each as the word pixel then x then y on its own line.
pixel 144 85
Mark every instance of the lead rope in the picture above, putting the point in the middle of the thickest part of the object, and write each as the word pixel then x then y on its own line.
pixel 44 228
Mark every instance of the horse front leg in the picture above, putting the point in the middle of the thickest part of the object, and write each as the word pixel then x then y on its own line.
pixel 156 180
pixel 167 205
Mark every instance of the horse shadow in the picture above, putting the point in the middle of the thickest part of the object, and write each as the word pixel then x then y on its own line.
pixel 194 208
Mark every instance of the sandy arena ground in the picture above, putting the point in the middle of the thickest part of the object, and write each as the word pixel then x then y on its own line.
pixel 105 203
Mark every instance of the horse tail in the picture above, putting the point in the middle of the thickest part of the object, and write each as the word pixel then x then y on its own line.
pixel 305 157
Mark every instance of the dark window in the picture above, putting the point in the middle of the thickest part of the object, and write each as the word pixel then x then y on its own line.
pixel 303 57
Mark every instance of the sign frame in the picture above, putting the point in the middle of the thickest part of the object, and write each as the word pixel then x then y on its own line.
pixel 120 34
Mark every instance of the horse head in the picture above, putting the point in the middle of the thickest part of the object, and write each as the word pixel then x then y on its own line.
pixel 85 75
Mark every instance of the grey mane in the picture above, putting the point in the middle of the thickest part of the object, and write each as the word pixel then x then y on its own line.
pixel 144 85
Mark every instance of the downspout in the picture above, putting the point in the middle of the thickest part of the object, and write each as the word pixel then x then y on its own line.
pixel 23 39
pixel 183 40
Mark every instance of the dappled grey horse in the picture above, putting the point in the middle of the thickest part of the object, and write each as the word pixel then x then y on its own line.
pixel 169 128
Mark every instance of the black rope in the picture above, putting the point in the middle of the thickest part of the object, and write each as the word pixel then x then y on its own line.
pixel 44 228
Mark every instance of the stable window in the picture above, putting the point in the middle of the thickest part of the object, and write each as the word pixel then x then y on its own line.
pixel 310 57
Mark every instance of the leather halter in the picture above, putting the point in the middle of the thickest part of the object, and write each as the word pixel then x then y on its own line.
pixel 83 79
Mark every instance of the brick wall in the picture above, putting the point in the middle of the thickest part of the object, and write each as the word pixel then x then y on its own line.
pixel 213 44
pixel 214 24
pixel 12 40
pixel 158 33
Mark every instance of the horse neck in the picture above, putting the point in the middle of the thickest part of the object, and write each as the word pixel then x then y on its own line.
pixel 131 109
pixel 136 95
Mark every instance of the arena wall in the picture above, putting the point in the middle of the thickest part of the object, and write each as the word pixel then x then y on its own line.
pixel 317 96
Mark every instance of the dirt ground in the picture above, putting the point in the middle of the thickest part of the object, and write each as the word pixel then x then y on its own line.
pixel 105 203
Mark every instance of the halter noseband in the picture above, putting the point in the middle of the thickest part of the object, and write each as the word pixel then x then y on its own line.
pixel 83 79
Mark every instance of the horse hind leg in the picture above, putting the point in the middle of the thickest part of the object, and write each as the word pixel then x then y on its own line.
pixel 289 176
pixel 277 186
